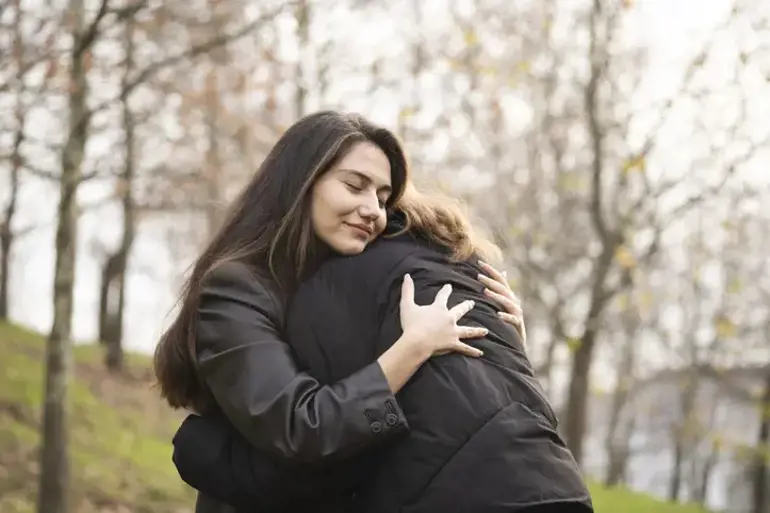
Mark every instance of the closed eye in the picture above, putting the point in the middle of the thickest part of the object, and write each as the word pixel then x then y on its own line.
pixel 354 187
pixel 359 189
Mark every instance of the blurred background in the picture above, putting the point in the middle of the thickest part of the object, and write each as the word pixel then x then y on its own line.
pixel 617 150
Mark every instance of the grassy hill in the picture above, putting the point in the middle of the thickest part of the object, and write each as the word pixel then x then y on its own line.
pixel 120 438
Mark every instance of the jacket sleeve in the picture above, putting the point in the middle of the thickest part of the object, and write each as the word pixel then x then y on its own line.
pixel 251 373
pixel 215 459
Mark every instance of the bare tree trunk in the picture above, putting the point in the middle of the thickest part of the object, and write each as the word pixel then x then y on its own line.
pixel 213 157
pixel 118 262
pixel 702 464
pixel 675 481
pixel 557 336
pixel 107 298
pixel 582 357
pixel 683 433
pixel 760 474
pixel 706 473
pixel 617 443
pixel 683 428
pixel 577 399
pixel 212 115
pixel 54 470
pixel 303 36
pixel 6 233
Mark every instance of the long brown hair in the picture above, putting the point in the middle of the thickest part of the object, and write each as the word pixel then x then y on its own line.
pixel 268 228
pixel 445 221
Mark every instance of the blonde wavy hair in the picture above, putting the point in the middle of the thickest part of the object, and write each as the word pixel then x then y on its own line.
pixel 445 221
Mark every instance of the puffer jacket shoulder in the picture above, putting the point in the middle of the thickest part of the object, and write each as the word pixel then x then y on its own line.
pixel 483 437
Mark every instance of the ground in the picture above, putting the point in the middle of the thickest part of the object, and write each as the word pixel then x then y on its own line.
pixel 120 437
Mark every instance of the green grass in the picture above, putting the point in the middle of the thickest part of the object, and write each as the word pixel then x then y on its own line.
pixel 620 500
pixel 120 450
pixel 120 437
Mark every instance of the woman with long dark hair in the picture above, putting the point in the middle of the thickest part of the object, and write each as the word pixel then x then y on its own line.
pixel 323 189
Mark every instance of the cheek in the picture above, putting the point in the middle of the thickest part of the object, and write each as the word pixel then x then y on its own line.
pixel 325 209
pixel 380 224
pixel 333 199
pixel 318 211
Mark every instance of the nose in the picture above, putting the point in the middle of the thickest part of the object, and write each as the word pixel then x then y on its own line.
pixel 370 207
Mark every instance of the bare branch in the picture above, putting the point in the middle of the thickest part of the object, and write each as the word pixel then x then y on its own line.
pixel 197 50
pixel 92 31
pixel 130 10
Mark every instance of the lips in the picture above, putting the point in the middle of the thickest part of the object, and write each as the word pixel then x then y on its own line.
pixel 363 230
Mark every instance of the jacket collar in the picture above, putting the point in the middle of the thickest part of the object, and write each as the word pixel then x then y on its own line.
pixel 396 222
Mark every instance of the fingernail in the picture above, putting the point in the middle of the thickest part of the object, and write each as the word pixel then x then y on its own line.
pixel 480 353
pixel 481 262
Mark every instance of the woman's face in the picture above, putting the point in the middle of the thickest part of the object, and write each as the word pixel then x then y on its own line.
pixel 348 202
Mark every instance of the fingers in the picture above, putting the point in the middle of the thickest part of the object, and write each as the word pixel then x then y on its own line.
pixel 471 332
pixel 502 290
pixel 442 297
pixel 494 273
pixel 513 320
pixel 407 291
pixel 508 304
pixel 517 322
pixel 460 309
pixel 467 350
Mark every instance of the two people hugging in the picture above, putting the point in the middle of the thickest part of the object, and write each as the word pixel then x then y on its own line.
pixel 345 348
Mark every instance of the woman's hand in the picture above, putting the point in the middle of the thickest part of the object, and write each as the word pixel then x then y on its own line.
pixel 428 331
pixel 433 328
pixel 498 289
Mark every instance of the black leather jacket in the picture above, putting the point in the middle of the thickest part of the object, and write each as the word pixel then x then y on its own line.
pixel 294 421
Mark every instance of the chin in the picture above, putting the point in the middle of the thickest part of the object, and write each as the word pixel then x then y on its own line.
pixel 349 247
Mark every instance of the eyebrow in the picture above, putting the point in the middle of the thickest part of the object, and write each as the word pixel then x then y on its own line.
pixel 367 179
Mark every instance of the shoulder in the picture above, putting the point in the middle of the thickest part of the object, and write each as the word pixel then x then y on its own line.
pixel 233 273
pixel 236 275
pixel 394 257
pixel 356 279
pixel 237 283
pixel 235 308
pixel 375 264
pixel 409 253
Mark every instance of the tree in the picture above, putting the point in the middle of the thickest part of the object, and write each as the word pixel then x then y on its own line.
pixel 112 294
pixel 54 469
pixel 6 231
pixel 24 57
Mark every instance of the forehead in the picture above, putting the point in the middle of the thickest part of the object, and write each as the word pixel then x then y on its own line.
pixel 367 159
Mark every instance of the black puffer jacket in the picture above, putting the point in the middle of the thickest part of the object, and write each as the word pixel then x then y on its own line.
pixel 482 436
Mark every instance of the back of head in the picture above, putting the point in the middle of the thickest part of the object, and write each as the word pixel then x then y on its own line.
pixel 444 221
pixel 268 228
